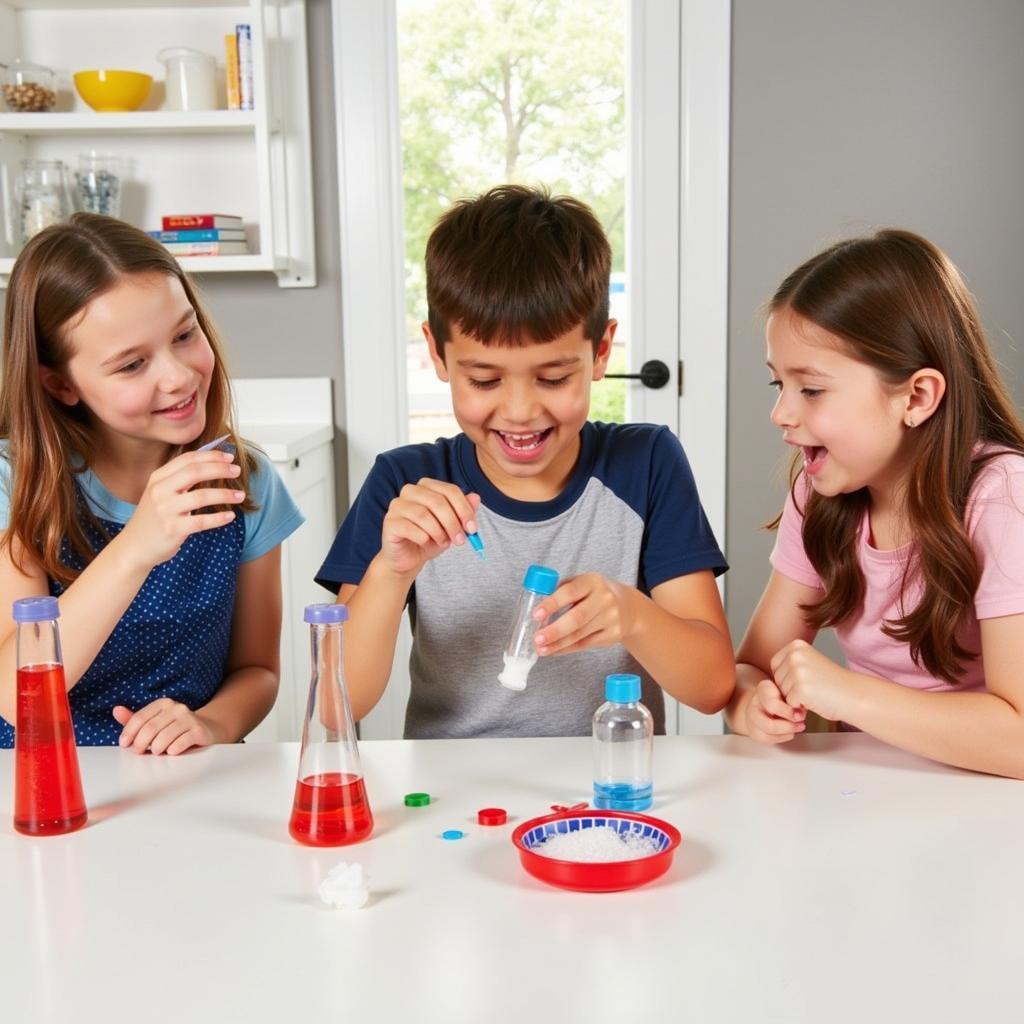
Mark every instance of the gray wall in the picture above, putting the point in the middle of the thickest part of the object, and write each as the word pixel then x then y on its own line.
pixel 848 117
pixel 295 332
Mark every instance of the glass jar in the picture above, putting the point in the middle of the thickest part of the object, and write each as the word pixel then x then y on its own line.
pixel 191 79
pixel 41 196
pixel 28 88
pixel 99 179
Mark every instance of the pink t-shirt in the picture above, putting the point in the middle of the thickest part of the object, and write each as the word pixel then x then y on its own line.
pixel 995 525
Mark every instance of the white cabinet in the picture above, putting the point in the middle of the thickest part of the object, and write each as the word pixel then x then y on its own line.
pixel 292 421
pixel 254 163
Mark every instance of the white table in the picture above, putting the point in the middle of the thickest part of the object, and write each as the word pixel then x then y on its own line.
pixel 836 880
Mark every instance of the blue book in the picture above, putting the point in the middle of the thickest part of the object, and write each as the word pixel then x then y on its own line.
pixel 200 235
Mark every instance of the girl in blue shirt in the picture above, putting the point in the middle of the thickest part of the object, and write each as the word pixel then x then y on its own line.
pixel 165 559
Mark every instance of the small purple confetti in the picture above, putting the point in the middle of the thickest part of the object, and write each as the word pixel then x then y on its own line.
pixel 848 792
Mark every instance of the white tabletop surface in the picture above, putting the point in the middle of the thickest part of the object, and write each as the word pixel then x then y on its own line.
pixel 834 880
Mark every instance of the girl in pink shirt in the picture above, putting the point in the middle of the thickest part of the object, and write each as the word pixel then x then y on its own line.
pixel 904 527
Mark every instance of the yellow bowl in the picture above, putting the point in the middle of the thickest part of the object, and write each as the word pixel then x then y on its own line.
pixel 106 90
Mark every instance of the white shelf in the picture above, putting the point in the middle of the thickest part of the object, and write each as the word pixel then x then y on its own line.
pixel 199 264
pixel 92 5
pixel 155 122
pixel 256 164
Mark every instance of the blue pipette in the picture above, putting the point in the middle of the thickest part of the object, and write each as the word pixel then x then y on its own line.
pixel 476 543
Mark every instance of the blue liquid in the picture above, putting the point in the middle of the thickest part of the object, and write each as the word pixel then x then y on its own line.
pixel 623 796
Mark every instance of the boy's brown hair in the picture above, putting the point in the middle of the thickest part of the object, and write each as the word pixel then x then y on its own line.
pixel 516 266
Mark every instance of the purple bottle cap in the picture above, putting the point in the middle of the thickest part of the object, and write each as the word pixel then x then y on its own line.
pixel 325 614
pixel 36 609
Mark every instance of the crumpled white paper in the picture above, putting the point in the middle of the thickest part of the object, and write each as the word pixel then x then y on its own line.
pixel 345 887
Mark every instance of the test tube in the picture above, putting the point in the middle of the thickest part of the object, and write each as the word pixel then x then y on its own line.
pixel 520 653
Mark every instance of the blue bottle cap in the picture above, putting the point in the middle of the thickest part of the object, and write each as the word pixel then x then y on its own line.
pixel 36 609
pixel 325 614
pixel 541 580
pixel 622 689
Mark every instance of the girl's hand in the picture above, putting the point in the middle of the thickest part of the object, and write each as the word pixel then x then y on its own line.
pixel 423 521
pixel 163 727
pixel 769 719
pixel 163 518
pixel 600 614
pixel 809 680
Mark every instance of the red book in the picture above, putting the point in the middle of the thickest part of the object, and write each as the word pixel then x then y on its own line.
pixel 176 222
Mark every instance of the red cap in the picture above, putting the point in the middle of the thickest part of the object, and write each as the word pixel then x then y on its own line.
pixel 492 816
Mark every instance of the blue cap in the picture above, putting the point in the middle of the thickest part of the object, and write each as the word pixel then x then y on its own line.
pixel 541 580
pixel 622 689
pixel 36 609
pixel 325 614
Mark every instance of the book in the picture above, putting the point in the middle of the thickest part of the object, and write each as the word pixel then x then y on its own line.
pixel 207 248
pixel 177 221
pixel 231 72
pixel 200 235
pixel 243 36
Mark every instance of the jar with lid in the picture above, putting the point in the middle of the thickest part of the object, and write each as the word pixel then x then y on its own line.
pixel 28 88
pixel 191 79
pixel 41 196
pixel 99 179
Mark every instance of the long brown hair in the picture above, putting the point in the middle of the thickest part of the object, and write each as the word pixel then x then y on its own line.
pixel 899 305
pixel 59 272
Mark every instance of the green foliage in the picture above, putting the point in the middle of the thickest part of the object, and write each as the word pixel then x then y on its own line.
pixel 503 91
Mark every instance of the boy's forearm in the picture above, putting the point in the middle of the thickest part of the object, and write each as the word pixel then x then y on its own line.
pixel 690 659
pixel 747 678
pixel 371 633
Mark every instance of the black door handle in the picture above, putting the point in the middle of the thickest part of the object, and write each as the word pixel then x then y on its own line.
pixel 653 374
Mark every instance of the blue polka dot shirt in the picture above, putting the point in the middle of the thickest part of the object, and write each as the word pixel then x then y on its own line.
pixel 173 639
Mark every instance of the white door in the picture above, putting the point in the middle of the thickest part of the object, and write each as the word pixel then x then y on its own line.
pixel 670 58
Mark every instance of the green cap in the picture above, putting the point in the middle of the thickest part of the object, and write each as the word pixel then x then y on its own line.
pixel 417 799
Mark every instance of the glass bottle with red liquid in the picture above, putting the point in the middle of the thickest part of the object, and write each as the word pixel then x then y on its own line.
pixel 48 798
pixel 331 808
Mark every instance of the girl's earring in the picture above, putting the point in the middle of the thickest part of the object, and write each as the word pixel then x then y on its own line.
pixel 910 422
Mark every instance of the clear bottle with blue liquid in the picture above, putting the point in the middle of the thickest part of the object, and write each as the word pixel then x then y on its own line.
pixel 520 654
pixel 623 747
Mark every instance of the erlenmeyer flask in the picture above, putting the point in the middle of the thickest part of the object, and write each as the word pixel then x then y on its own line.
pixel 331 807
pixel 48 797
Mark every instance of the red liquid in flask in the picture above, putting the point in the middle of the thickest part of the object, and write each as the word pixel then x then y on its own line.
pixel 48 796
pixel 330 810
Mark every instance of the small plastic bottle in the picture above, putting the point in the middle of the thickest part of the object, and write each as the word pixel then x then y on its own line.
pixel 521 652
pixel 48 798
pixel 330 807
pixel 623 747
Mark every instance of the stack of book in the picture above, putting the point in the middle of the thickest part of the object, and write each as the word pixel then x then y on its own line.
pixel 238 68
pixel 202 234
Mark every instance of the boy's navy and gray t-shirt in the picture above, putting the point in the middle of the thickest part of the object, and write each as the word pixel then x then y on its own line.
pixel 630 512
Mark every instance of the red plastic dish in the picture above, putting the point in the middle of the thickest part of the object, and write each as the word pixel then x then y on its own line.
pixel 606 876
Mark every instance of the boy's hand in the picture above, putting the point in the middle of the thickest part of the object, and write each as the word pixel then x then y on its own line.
pixel 164 516
pixel 163 727
pixel 808 679
pixel 424 520
pixel 769 718
pixel 600 613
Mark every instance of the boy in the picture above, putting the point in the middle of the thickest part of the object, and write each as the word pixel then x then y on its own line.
pixel 517 295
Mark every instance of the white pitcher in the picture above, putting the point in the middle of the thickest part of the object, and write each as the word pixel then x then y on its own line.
pixel 191 79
